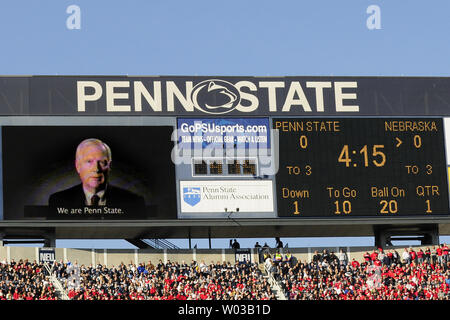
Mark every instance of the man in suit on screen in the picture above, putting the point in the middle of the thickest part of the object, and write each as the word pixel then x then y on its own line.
pixel 93 163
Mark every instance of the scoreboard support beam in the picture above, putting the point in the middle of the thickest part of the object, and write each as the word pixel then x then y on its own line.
pixel 49 239
pixel 50 243
pixel 209 238
pixel 427 235
pixel 190 238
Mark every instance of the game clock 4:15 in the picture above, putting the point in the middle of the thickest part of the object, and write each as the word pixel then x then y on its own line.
pixel 376 157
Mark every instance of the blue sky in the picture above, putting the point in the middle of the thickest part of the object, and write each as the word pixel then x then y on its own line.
pixel 242 38
pixel 225 38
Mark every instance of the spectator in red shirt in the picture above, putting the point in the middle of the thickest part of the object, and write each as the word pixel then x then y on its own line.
pixel 420 256
pixel 439 253
pixel 367 257
pixel 374 256
pixel 413 255
pixel 445 253
pixel 355 264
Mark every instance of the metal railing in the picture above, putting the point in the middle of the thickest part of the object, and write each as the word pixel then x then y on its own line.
pixel 160 244
pixel 274 283
pixel 56 283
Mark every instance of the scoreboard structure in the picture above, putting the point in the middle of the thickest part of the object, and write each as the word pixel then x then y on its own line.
pixel 228 156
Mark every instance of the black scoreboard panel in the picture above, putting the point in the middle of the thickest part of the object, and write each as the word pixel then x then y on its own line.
pixel 349 167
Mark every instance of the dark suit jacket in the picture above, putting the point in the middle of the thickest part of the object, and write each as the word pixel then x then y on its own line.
pixel 115 197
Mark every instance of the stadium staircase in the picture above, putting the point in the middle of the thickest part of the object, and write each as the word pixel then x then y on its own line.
pixel 160 244
pixel 274 284
pixel 152 243
pixel 59 289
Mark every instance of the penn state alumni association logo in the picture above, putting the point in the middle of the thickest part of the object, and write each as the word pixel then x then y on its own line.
pixel 215 96
pixel 192 195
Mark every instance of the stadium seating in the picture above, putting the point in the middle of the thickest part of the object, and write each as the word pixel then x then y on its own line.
pixel 24 280
pixel 379 278
pixel 326 276
pixel 167 281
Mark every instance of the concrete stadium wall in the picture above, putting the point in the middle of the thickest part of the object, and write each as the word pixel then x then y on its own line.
pixel 114 257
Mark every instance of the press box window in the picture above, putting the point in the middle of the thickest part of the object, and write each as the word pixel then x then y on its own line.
pixel 200 167
pixel 215 167
pixel 231 167
pixel 249 167
pixel 234 167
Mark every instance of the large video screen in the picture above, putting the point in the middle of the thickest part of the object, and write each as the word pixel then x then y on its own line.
pixel 88 172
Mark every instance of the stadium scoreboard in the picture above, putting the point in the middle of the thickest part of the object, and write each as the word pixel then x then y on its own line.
pixel 281 151
pixel 350 167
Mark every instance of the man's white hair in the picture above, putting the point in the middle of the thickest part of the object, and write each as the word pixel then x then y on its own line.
pixel 93 141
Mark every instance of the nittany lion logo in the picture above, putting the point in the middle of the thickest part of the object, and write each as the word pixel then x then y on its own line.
pixel 215 96
pixel 192 195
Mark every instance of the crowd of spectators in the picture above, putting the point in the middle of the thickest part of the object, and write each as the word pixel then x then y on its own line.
pixel 165 281
pixel 382 275
pixel 25 280
pixel 406 274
